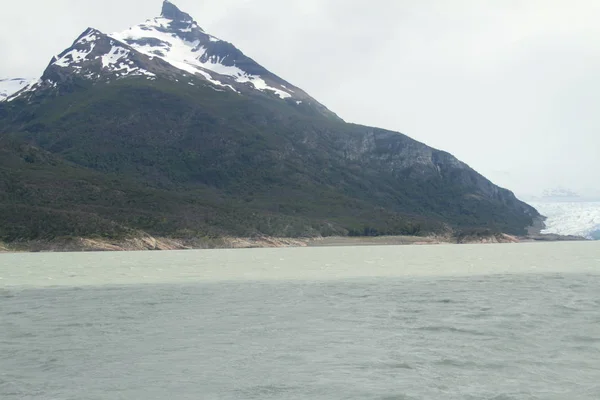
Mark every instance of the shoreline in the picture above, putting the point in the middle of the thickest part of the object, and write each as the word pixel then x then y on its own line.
pixel 149 243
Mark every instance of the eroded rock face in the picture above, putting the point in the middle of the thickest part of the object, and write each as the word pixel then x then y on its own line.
pixel 406 158
pixel 149 243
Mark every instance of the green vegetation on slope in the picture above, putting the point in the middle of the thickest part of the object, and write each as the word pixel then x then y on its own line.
pixel 172 159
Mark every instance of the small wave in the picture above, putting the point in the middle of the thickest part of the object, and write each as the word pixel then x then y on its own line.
pixel 456 363
pixel 451 329
pixel 585 339
pixel 150 303
pixel 398 366
pixel 385 365
pixel 450 362
pixel 125 318
pixel 15 313
pixel 568 308
pixel 398 397
pixel 267 390
pixel 77 325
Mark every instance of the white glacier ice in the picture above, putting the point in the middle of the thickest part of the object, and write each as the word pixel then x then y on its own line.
pixel 571 218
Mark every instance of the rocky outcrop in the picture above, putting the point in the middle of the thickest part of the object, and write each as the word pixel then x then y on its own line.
pixel 488 239
pixel 148 243
pixel 553 238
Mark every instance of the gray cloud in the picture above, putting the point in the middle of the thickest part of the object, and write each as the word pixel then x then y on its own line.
pixel 510 87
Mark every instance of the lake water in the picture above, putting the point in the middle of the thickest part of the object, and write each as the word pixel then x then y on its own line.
pixel 434 322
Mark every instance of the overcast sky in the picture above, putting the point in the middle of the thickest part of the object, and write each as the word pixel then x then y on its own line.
pixel 511 87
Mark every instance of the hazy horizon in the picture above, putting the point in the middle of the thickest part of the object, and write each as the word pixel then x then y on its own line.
pixel 511 88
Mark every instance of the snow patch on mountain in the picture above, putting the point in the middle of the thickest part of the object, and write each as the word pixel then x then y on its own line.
pixel 73 57
pixel 113 56
pixel 8 87
pixel 78 54
pixel 158 37
pixel 31 86
pixel 571 218
pixel 116 60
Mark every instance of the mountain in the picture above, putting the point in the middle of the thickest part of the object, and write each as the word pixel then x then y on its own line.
pixel 8 87
pixel 166 129
pixel 560 194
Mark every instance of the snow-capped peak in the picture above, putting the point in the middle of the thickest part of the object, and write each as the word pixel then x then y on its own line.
pixel 173 47
pixel 177 39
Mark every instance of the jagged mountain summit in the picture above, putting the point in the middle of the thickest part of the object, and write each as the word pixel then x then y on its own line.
pixel 172 46
pixel 166 129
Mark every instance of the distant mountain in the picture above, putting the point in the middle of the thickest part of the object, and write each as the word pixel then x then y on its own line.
pixel 563 195
pixel 560 193
pixel 167 129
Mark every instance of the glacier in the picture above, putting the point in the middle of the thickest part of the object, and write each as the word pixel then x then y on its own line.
pixel 571 218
